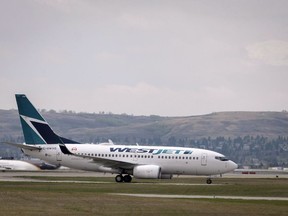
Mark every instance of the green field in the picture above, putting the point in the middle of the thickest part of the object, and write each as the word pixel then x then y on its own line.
pixel 94 196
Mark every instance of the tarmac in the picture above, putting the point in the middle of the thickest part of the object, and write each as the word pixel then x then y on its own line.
pixel 13 175
pixel 23 176
pixel 202 197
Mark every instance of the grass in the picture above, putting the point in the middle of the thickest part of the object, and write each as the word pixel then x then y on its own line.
pixel 60 198
pixel 221 186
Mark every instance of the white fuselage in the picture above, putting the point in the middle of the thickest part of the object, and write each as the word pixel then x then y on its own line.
pixel 17 165
pixel 172 160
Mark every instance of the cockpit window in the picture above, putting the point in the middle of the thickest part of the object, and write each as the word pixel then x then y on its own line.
pixel 221 158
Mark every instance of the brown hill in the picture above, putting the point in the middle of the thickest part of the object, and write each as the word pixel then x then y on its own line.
pixel 88 127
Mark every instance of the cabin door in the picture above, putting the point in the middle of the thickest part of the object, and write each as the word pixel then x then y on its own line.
pixel 58 154
pixel 204 159
pixel 135 156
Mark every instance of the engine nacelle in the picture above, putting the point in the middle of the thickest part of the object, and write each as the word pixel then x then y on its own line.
pixel 147 172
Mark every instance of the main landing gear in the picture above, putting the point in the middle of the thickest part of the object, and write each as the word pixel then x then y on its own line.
pixel 121 178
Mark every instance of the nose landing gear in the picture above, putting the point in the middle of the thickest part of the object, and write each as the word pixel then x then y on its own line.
pixel 209 181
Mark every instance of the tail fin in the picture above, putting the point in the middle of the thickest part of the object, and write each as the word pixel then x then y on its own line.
pixel 35 129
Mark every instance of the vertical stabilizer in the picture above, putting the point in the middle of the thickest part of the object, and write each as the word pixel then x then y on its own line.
pixel 35 129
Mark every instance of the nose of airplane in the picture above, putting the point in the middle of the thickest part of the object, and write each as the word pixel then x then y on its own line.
pixel 232 165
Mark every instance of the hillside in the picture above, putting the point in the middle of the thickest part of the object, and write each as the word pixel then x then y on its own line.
pixel 223 131
pixel 226 124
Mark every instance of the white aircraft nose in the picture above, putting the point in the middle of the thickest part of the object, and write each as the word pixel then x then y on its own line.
pixel 232 165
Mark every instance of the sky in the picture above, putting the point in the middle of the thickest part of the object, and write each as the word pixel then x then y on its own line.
pixel 144 57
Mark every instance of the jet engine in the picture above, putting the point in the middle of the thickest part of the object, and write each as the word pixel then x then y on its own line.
pixel 147 172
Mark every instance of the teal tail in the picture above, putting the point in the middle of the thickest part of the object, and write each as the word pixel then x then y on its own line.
pixel 35 129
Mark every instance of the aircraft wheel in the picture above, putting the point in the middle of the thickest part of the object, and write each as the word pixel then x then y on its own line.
pixel 127 178
pixel 119 178
pixel 209 181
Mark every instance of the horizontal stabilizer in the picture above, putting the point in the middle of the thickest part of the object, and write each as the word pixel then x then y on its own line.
pixel 24 146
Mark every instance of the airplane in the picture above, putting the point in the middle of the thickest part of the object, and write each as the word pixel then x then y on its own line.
pixel 141 162
pixel 17 165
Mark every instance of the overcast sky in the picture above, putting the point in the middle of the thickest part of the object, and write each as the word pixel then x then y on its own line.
pixel 168 58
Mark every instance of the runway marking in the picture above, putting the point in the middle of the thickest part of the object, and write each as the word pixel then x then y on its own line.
pixel 201 197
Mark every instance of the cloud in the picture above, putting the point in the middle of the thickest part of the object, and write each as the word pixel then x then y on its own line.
pixel 273 52
pixel 135 57
pixel 65 6
pixel 135 21
pixel 109 57
pixel 6 52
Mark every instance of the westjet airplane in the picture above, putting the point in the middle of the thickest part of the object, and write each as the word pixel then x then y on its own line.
pixel 142 162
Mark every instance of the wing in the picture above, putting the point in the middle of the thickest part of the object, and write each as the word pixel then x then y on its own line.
pixel 113 163
pixel 110 163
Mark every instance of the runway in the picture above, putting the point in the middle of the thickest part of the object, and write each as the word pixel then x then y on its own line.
pixel 202 197
pixel 23 176
pixel 11 175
